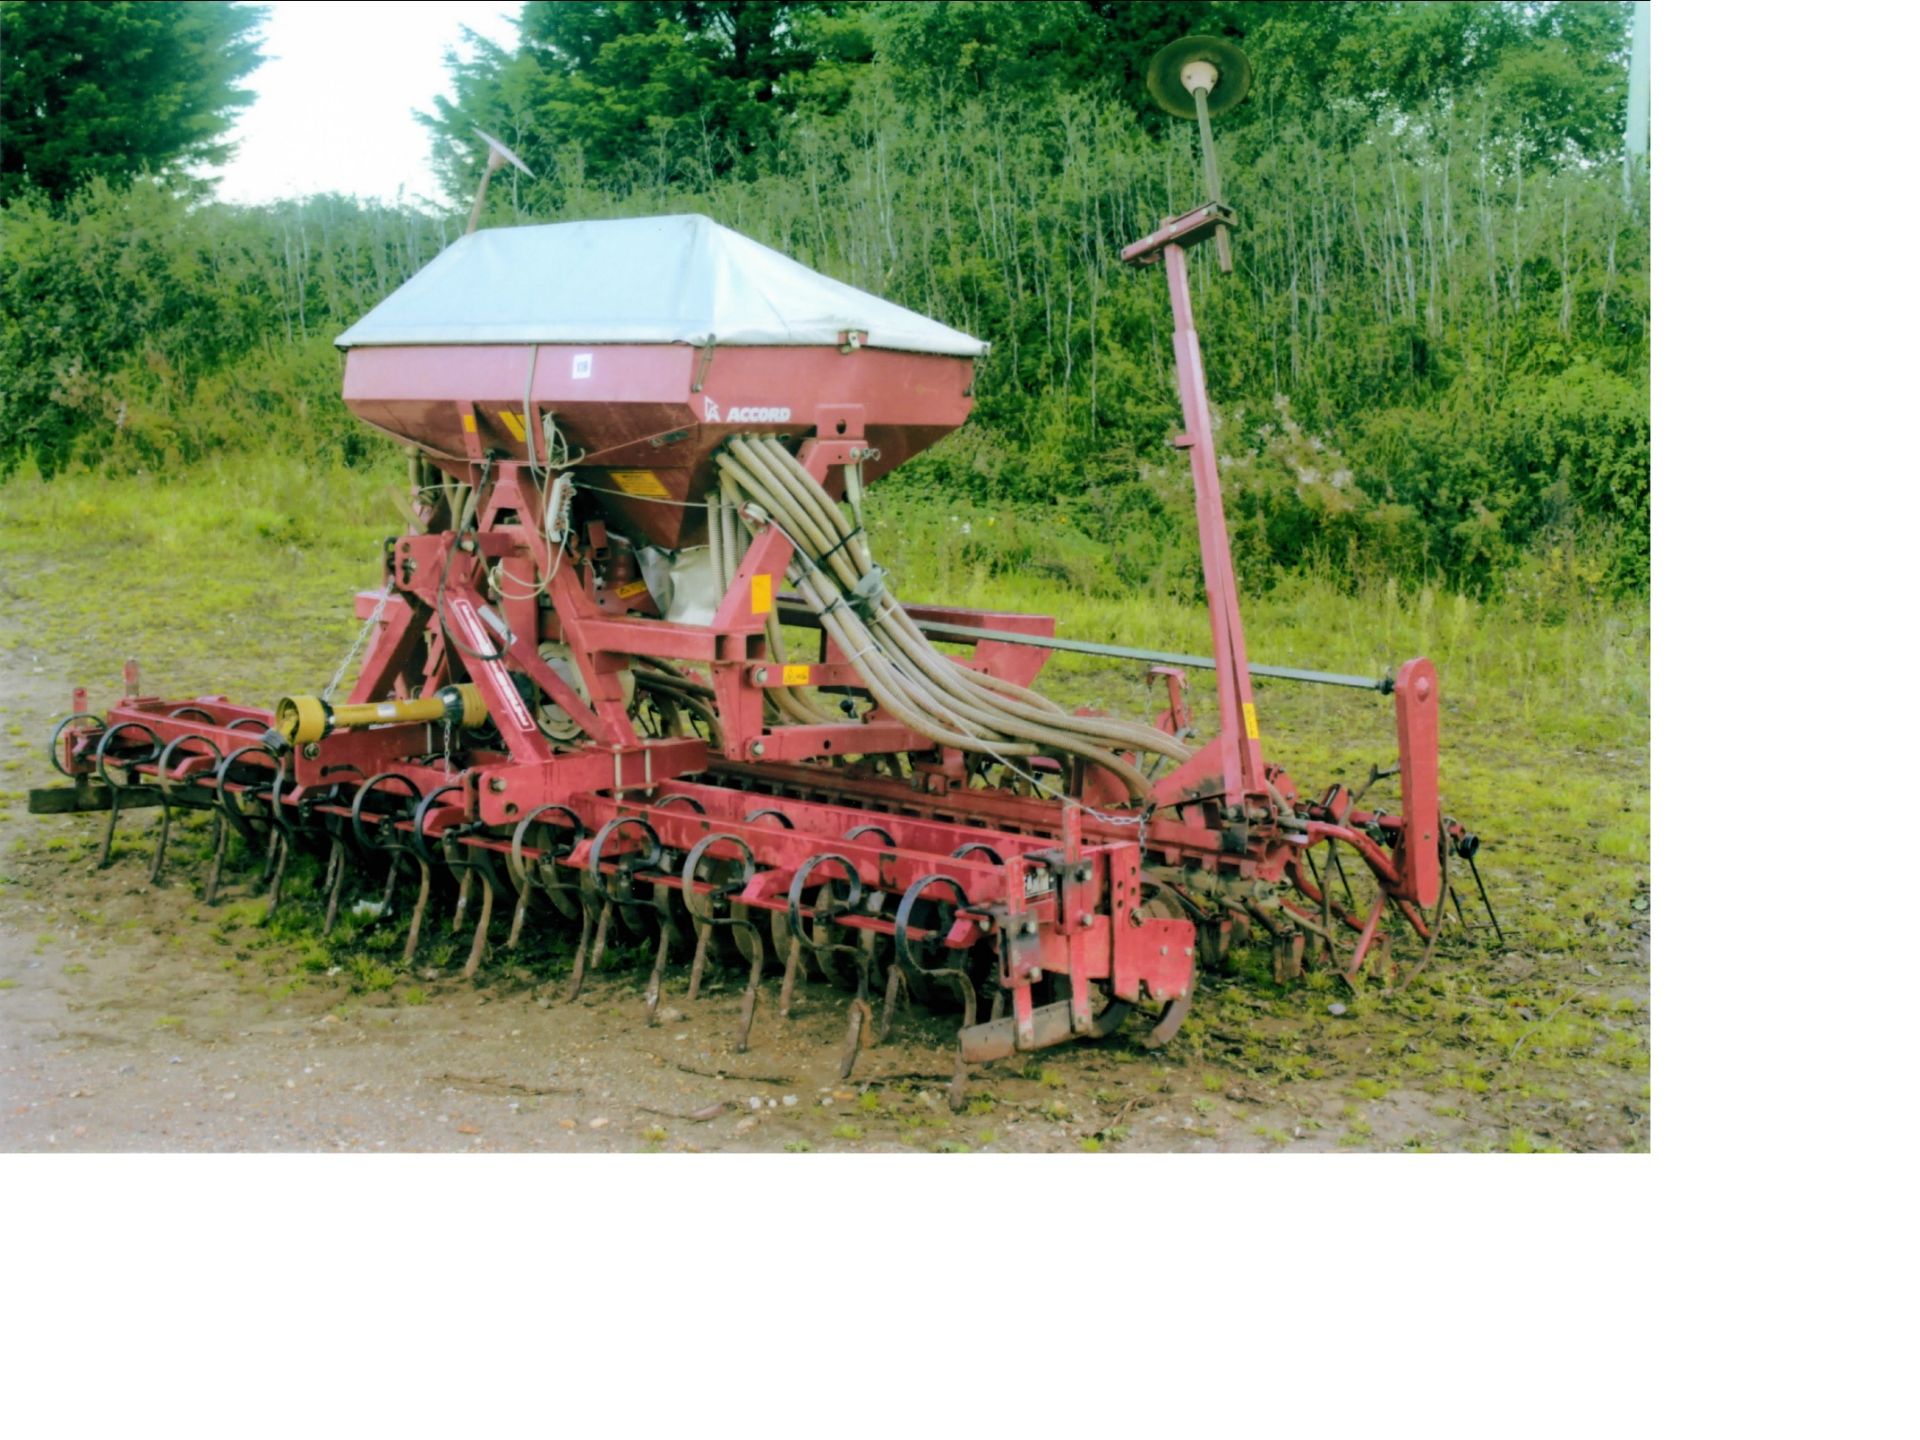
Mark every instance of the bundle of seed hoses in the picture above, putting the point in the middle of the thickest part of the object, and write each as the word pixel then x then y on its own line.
pixel 918 685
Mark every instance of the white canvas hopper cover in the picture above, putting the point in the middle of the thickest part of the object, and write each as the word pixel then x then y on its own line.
pixel 666 279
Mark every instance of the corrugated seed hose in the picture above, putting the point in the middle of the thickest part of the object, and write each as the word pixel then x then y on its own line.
pixel 920 686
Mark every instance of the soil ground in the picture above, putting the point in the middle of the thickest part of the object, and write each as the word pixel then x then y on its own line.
pixel 138 1018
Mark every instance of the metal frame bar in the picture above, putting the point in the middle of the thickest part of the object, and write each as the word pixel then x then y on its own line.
pixel 937 630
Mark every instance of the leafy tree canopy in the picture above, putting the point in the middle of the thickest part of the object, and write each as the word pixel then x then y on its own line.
pixel 687 90
pixel 626 95
pixel 115 90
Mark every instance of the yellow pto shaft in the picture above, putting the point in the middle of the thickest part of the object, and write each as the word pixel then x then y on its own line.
pixel 303 719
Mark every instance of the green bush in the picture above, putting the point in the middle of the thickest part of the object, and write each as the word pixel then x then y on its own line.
pixel 139 330
pixel 1429 362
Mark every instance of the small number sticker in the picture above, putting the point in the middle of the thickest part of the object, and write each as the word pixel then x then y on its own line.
pixel 583 366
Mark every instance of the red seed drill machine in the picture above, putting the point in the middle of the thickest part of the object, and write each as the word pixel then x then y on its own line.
pixel 639 452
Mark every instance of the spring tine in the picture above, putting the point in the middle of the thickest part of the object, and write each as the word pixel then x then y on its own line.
pixel 419 912
pixel 460 903
pixel 602 933
pixel 858 1012
pixel 1333 861
pixel 1454 891
pixel 596 926
pixel 106 840
pixel 278 882
pixel 160 845
pixel 1475 868
pixel 999 1006
pixel 791 978
pixel 659 968
pixel 212 893
pixel 957 1087
pixel 273 855
pixel 265 878
pixel 479 950
pixel 703 931
pixel 1326 914
pixel 869 963
pixel 393 879
pixel 1383 957
pixel 579 975
pixel 969 997
pixel 752 998
pixel 336 877
pixel 825 953
pixel 1433 935
pixel 559 894
pixel 1325 932
pixel 894 978
pixel 519 919
pixel 1294 964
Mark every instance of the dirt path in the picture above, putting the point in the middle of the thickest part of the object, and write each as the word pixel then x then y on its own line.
pixel 138 1018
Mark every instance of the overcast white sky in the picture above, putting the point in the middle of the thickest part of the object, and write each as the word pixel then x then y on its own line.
pixel 337 91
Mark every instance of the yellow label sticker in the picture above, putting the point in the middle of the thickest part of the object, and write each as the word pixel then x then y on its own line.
pixel 1252 719
pixel 466 423
pixel 639 482
pixel 762 594
pixel 515 425
pixel 631 589
pixel 795 674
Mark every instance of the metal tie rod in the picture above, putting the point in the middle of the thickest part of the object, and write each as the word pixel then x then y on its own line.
pixel 939 630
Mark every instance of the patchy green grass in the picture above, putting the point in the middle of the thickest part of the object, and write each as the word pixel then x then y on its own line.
pixel 293 542
pixel 1545 736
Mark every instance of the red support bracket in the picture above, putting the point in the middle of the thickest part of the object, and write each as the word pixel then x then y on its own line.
pixel 1240 766
pixel 1416 707
pixel 1183 231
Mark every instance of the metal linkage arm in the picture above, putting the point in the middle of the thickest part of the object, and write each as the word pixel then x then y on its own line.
pixel 939 630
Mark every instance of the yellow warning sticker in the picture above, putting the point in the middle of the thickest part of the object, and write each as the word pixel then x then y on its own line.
pixel 761 594
pixel 466 423
pixel 639 482
pixel 1252 719
pixel 795 674
pixel 631 589
pixel 515 425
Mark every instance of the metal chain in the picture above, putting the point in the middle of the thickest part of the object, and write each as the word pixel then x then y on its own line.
pixel 358 640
